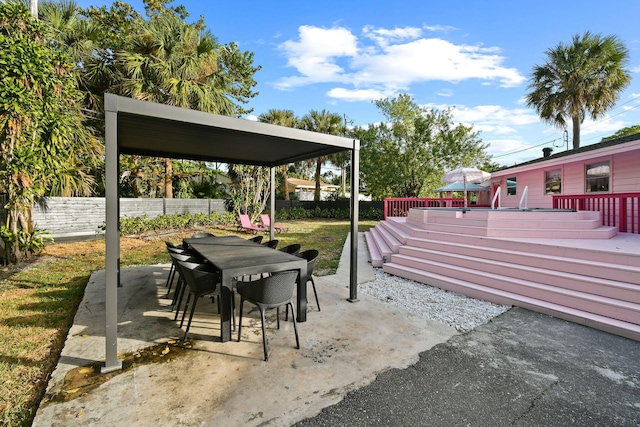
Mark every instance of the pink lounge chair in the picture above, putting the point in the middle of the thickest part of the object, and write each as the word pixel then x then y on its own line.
pixel 266 222
pixel 245 224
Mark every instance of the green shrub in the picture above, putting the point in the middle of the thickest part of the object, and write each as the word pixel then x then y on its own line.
pixel 143 224
pixel 335 213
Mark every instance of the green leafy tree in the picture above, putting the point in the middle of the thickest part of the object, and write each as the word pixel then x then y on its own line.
pixel 322 122
pixel 408 154
pixel 281 118
pixel 45 148
pixel 629 130
pixel 195 180
pixel 580 79
pixel 250 189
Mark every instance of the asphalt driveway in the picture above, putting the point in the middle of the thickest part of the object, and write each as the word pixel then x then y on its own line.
pixel 521 369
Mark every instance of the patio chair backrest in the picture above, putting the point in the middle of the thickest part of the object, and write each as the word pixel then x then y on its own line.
pixel 245 221
pixel 257 239
pixel 311 255
pixel 291 249
pixel 202 234
pixel 271 290
pixel 199 277
pixel 271 243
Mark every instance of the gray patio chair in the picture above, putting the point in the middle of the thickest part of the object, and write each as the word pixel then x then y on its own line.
pixel 175 258
pixel 173 245
pixel 292 249
pixel 172 248
pixel 257 239
pixel 201 234
pixel 311 255
pixel 269 292
pixel 271 243
pixel 200 280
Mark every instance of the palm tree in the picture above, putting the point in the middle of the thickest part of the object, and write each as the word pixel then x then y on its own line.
pixel 579 79
pixel 322 122
pixel 281 118
pixel 174 63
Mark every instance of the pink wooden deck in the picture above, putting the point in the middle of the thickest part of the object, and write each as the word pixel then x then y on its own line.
pixel 560 263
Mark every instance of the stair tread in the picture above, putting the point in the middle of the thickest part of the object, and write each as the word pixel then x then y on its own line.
pixel 384 232
pixel 382 245
pixel 395 230
pixel 517 297
pixel 549 272
pixel 489 249
pixel 532 284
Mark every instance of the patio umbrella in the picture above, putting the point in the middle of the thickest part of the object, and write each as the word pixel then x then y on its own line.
pixel 466 175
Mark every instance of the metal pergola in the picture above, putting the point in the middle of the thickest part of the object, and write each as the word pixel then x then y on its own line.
pixel 158 130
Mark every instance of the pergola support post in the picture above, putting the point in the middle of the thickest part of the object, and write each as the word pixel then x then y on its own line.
pixel 355 205
pixel 272 202
pixel 112 236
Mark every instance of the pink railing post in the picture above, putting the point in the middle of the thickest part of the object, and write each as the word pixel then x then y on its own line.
pixel 622 214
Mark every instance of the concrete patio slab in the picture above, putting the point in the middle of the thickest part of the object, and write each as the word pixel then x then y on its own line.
pixel 343 347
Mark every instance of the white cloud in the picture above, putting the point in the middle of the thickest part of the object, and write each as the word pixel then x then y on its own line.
pixel 441 28
pixel 314 55
pixel 493 118
pixel 445 92
pixel 602 126
pixel 397 59
pixel 353 95
pixel 430 60
pixel 497 146
pixel 383 36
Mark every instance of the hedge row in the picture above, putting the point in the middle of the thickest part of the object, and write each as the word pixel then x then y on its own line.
pixel 143 224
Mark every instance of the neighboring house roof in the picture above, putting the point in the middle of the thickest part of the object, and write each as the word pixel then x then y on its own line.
pixel 625 143
pixel 303 184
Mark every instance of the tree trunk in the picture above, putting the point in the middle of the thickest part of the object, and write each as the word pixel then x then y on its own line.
pixel 316 196
pixel 168 179
pixel 286 183
pixel 12 250
pixel 576 132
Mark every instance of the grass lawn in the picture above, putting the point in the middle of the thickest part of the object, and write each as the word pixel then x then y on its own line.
pixel 39 299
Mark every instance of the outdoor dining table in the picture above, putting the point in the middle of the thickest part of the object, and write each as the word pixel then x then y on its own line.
pixel 235 257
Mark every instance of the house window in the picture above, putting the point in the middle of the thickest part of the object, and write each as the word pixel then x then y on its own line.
pixel 553 182
pixel 597 177
pixel 511 186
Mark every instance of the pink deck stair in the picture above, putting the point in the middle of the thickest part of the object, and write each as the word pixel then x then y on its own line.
pixel 564 264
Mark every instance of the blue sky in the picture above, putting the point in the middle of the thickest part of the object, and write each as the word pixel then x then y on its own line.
pixel 472 56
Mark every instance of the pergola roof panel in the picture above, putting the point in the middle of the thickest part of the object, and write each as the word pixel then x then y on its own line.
pixel 159 130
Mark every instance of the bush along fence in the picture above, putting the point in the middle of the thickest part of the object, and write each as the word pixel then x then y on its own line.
pixel 85 216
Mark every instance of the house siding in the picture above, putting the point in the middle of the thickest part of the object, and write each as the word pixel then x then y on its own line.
pixel 624 164
pixel 626 175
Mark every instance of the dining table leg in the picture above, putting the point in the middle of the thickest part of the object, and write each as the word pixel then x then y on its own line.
pixel 302 295
pixel 226 310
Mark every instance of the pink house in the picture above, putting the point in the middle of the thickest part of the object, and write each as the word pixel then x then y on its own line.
pixel 602 177
pixel 565 241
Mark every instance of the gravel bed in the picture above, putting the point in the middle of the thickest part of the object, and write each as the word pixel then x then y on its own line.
pixel 450 308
